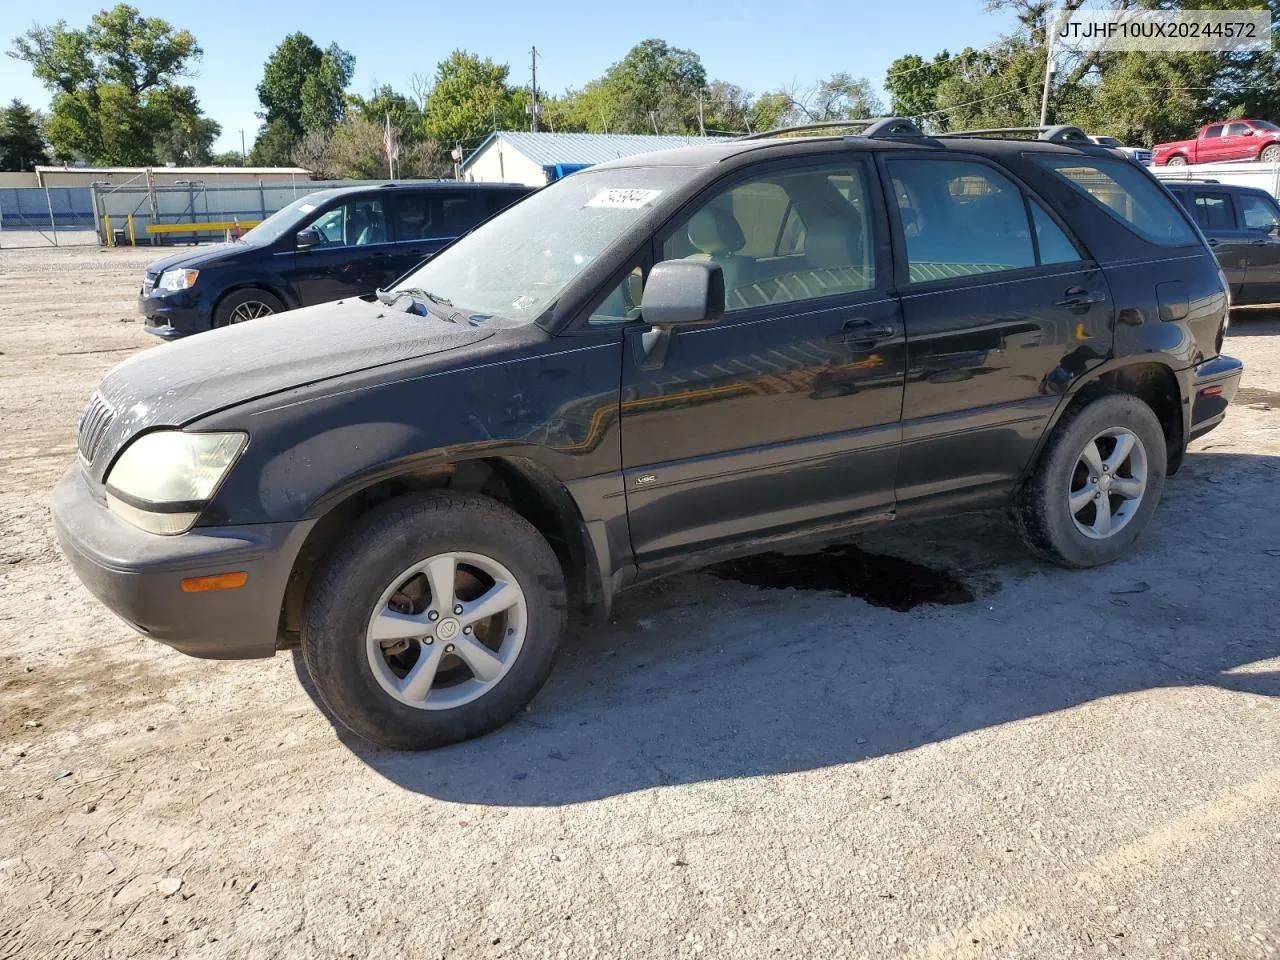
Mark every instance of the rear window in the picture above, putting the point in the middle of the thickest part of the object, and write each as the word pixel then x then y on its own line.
pixel 1127 193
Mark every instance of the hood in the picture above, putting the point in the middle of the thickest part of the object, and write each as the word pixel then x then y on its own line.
pixel 173 384
pixel 200 256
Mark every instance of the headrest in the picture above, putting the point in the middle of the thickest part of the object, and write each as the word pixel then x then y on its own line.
pixel 714 230
pixel 834 242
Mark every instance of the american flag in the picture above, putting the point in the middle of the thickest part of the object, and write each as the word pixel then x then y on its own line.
pixel 389 142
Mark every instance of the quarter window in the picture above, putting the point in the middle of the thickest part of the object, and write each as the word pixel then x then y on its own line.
pixel 1260 213
pixel 960 218
pixel 1055 247
pixel 1127 193
pixel 1213 211
pixel 790 236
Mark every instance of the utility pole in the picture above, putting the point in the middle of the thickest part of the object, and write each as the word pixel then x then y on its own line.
pixel 653 118
pixel 244 157
pixel 534 106
pixel 1050 28
pixel 702 127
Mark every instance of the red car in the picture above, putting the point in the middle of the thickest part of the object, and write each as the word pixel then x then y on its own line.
pixel 1234 140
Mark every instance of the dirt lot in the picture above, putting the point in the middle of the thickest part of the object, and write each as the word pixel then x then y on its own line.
pixel 1034 763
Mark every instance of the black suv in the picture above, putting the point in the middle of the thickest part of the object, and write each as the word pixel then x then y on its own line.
pixel 330 244
pixel 1242 225
pixel 648 366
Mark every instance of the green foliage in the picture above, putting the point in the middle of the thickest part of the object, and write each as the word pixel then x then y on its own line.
pixel 22 143
pixel 116 99
pixel 354 150
pixel 470 98
pixel 406 119
pixel 655 86
pixel 302 91
pixel 227 158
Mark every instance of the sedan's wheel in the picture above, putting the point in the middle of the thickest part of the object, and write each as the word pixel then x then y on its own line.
pixel 436 620
pixel 1097 483
pixel 1270 153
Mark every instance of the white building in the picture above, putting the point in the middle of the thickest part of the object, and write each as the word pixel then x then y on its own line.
pixel 536 159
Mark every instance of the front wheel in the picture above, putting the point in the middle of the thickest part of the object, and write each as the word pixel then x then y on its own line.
pixel 1270 153
pixel 248 304
pixel 1177 161
pixel 436 621
pixel 1097 484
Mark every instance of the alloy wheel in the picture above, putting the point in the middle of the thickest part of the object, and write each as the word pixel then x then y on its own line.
pixel 447 630
pixel 249 310
pixel 1108 483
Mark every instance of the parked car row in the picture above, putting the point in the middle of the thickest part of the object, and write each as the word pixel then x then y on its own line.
pixel 650 365
pixel 334 243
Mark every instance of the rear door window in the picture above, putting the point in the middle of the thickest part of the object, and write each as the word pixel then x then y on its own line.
pixel 1237 129
pixel 959 218
pixel 1213 211
pixel 437 214
pixel 1125 192
pixel 1260 213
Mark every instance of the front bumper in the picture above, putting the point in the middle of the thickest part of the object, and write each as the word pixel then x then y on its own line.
pixel 173 315
pixel 1213 389
pixel 139 575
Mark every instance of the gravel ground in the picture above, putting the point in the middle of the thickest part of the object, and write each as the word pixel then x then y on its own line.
pixel 1050 764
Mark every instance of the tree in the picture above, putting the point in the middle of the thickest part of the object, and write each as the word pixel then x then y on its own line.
pixel 655 86
pixel 227 158
pixel 406 118
pixel 302 91
pixel 726 108
pixel 114 84
pixel 354 150
pixel 21 139
pixel 469 99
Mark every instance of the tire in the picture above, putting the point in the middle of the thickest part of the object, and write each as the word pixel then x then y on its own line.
pixel 352 667
pixel 1062 479
pixel 249 303
pixel 1178 161
pixel 1270 153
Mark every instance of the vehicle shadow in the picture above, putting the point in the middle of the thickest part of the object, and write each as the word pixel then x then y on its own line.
pixel 702 678
pixel 1254 323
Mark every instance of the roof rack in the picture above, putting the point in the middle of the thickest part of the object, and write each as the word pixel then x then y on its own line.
pixel 1061 133
pixel 872 127
pixel 1176 179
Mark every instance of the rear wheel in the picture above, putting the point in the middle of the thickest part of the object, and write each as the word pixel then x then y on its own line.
pixel 248 304
pixel 1098 482
pixel 436 621
pixel 1270 153
pixel 1177 161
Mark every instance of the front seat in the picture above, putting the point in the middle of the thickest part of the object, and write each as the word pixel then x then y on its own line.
pixel 718 237
pixel 833 248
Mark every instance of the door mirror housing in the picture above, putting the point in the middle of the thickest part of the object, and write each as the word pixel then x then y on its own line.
pixel 308 238
pixel 683 293
pixel 678 293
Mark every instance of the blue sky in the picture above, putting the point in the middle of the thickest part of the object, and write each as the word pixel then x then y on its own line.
pixel 758 44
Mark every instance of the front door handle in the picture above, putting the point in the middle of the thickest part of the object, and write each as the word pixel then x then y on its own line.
pixel 1261 243
pixel 1079 297
pixel 862 330
pixel 1213 241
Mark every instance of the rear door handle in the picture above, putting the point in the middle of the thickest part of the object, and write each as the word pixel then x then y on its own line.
pixel 1213 241
pixel 1079 297
pixel 862 330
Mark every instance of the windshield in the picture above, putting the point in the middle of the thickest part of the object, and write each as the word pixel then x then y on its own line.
pixel 281 222
pixel 1265 125
pixel 515 266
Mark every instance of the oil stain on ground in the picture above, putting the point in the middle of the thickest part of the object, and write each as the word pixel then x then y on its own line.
pixel 843 568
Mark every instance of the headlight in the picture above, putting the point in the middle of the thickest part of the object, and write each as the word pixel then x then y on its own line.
pixel 163 479
pixel 177 279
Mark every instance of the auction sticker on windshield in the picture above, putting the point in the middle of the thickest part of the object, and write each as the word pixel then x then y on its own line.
pixel 626 198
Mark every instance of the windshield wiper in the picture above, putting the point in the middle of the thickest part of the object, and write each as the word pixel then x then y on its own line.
pixel 431 302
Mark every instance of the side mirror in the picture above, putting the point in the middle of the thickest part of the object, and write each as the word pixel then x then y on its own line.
pixel 678 293
pixel 309 238
pixel 683 293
